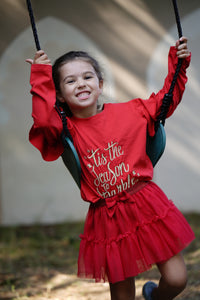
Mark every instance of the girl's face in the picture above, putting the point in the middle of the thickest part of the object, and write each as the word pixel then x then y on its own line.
pixel 80 88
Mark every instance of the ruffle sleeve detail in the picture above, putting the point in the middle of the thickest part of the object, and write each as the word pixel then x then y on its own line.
pixel 152 107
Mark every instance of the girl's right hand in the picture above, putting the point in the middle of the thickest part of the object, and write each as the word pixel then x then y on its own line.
pixel 39 58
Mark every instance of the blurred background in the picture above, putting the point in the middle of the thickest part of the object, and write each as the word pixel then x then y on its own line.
pixel 131 39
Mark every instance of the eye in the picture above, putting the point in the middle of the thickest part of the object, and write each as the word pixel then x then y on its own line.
pixel 70 81
pixel 88 77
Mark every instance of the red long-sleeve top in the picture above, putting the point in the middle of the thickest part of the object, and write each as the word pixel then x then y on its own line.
pixel 112 144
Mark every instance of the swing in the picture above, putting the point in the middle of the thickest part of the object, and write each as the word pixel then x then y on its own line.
pixel 155 145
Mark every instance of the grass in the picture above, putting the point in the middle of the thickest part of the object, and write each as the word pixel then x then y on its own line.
pixel 30 257
pixel 53 246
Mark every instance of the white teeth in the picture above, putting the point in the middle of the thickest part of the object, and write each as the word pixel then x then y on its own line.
pixel 83 94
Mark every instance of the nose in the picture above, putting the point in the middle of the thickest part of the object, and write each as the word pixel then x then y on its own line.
pixel 81 83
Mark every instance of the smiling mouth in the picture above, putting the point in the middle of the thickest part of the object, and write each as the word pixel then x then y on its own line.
pixel 83 95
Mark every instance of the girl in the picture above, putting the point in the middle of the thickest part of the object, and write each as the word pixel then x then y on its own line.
pixel 131 224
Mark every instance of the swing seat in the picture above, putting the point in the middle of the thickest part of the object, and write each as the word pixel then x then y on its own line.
pixel 156 145
pixel 71 161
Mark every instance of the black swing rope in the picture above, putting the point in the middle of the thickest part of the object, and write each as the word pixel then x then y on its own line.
pixel 37 44
pixel 169 96
pixel 34 29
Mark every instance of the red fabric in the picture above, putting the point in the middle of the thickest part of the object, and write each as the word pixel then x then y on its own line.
pixel 46 130
pixel 144 228
pixel 112 144
pixel 132 231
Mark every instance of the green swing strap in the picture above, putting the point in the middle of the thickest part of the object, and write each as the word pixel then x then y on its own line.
pixel 71 161
pixel 155 146
pixel 69 155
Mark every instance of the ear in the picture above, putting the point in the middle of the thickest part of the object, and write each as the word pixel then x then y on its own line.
pixel 101 85
pixel 60 97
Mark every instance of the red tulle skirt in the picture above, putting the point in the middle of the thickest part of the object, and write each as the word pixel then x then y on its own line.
pixel 125 234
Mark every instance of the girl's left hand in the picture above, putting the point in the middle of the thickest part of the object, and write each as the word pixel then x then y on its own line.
pixel 182 48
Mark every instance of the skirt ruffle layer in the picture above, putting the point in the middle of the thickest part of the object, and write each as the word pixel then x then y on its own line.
pixel 124 237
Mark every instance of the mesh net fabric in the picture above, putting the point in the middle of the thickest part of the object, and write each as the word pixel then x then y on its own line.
pixel 145 229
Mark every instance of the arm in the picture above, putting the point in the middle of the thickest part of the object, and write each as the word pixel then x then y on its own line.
pixel 47 127
pixel 180 51
pixel 153 105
